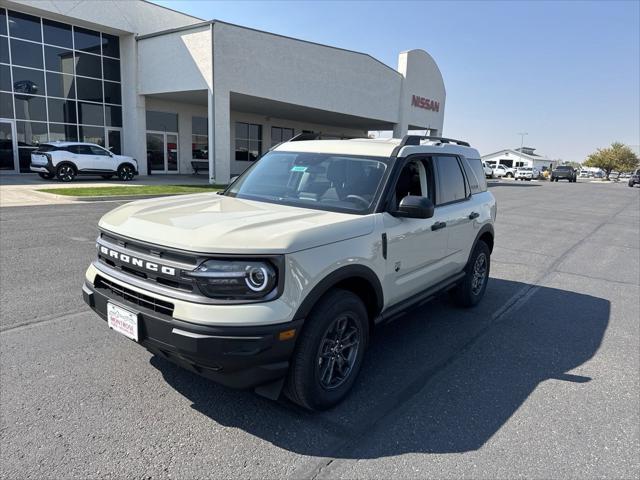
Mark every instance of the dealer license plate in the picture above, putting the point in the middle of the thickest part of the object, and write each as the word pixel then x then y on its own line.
pixel 122 321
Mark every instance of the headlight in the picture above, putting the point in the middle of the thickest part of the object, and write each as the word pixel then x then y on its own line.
pixel 236 279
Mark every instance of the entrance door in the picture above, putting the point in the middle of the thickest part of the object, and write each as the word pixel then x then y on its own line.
pixel 114 140
pixel 162 152
pixel 8 147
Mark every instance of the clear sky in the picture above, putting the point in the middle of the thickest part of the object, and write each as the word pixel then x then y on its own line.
pixel 568 73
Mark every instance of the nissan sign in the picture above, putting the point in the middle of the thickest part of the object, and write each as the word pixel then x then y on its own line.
pixel 426 103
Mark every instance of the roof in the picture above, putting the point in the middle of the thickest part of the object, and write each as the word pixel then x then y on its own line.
pixel 59 143
pixel 515 152
pixel 374 147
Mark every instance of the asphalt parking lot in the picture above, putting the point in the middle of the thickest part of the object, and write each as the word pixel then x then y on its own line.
pixel 540 381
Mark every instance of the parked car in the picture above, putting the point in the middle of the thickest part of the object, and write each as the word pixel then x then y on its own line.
pixel 277 285
pixel 564 172
pixel 65 160
pixel 526 173
pixel 634 179
pixel 585 174
pixel 488 170
pixel 502 171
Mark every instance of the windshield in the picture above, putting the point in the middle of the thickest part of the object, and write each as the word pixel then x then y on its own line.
pixel 322 181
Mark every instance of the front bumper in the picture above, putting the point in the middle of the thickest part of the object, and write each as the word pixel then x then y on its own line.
pixel 238 357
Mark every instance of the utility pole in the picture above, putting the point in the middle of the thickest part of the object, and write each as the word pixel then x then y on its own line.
pixel 522 135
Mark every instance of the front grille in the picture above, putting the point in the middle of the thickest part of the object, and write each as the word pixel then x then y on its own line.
pixel 145 301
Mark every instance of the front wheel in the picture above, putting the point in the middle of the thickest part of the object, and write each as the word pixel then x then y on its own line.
pixel 46 176
pixel 126 173
pixel 471 290
pixel 329 352
pixel 66 173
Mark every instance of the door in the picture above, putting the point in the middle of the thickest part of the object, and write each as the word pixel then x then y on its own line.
pixel 8 147
pixel 162 152
pixel 457 208
pixel 102 159
pixel 416 248
pixel 114 140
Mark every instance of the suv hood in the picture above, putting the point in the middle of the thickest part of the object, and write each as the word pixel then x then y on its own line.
pixel 211 223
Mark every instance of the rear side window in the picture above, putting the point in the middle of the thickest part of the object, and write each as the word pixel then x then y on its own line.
pixel 475 174
pixel 450 180
pixel 80 149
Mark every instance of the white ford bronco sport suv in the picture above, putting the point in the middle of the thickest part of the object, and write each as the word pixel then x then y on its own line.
pixel 65 160
pixel 278 282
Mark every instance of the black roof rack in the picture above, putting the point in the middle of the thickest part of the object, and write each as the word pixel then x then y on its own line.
pixel 416 139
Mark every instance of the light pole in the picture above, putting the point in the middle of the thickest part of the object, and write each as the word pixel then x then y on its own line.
pixel 522 135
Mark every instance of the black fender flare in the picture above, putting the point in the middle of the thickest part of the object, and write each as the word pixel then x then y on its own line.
pixel 337 276
pixel 486 228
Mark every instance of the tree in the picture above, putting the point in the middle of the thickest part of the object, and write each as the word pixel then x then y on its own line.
pixel 616 157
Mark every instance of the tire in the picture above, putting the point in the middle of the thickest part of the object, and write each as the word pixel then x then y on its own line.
pixel 509 175
pixel 126 172
pixel 314 361
pixel 108 176
pixel 469 292
pixel 46 176
pixel 66 172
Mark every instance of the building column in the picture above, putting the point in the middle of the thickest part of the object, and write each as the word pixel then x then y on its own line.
pixel 211 135
pixel 134 124
pixel 221 125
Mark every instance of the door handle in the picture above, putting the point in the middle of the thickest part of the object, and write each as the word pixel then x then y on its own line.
pixel 438 226
pixel 473 215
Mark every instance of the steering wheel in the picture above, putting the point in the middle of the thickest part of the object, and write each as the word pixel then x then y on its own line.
pixel 358 198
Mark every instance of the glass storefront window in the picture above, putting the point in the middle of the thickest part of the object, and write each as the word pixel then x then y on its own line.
pixel 162 121
pixel 248 141
pixel 31 108
pixel 88 65
pixel 111 69
pixel 89 89
pixel 87 40
pixel 59 60
pixel 63 133
pixel 63 111
pixel 112 93
pixel 199 138
pixel 110 45
pixel 56 33
pixel 24 26
pixel 5 78
pixel 60 85
pixel 92 135
pixel 4 50
pixel 27 81
pixel 90 113
pixel 59 82
pixel 31 134
pixel 113 116
pixel 6 105
pixel 26 54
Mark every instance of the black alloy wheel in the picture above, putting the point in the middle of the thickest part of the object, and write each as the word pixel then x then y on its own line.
pixel 66 173
pixel 329 351
pixel 126 173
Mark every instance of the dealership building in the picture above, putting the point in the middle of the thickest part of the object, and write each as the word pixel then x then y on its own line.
pixel 167 88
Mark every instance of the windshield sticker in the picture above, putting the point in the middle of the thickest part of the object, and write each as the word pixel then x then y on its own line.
pixel 299 168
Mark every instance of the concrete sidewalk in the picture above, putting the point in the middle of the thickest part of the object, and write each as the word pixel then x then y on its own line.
pixel 21 190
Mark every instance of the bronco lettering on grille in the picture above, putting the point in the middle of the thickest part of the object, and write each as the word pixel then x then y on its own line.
pixel 137 262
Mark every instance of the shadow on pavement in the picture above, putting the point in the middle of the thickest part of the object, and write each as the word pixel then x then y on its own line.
pixel 445 379
pixel 513 184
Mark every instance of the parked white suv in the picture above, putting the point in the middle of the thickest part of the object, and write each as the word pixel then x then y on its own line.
pixel 526 173
pixel 488 170
pixel 65 160
pixel 279 281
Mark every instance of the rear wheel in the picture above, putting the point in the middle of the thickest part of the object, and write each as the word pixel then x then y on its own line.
pixel 471 290
pixel 126 172
pixel 329 352
pixel 46 176
pixel 66 172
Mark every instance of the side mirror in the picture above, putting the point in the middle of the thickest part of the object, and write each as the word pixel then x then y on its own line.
pixel 413 206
